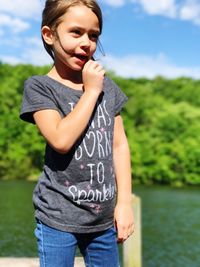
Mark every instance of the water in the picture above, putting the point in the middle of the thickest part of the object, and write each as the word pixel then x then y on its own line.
pixel 16 219
pixel 171 226
pixel 170 223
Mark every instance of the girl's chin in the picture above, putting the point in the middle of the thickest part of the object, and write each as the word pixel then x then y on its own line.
pixel 75 66
pixel 78 66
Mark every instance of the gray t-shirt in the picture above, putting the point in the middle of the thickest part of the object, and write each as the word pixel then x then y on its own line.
pixel 76 191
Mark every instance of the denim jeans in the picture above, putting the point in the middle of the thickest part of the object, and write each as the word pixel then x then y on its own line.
pixel 57 248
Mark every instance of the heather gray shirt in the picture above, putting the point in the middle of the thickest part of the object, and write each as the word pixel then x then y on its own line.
pixel 76 191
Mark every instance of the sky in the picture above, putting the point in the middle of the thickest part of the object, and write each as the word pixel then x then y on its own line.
pixel 141 38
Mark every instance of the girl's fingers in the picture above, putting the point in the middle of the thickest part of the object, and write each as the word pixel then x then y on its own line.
pixel 99 68
pixel 124 233
pixel 93 65
pixel 87 65
pixel 93 76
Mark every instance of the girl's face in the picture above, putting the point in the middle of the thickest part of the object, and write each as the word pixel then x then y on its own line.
pixel 75 40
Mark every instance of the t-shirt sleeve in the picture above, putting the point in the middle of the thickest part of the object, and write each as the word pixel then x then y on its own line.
pixel 120 98
pixel 36 97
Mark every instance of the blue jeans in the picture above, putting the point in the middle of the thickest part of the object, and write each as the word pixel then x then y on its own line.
pixel 57 248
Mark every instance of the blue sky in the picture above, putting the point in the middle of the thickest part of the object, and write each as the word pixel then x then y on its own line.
pixel 141 38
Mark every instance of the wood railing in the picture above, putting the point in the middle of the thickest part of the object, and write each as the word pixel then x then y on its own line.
pixel 132 248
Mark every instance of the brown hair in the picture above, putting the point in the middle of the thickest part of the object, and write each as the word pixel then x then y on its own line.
pixel 55 9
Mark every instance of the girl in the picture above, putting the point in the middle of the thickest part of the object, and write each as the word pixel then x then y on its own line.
pixel 77 110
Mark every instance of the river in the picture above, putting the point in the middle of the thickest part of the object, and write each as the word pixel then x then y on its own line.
pixel 170 224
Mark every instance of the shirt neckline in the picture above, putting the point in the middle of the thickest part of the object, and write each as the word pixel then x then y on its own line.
pixel 79 92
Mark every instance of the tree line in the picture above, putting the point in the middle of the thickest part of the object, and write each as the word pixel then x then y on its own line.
pixel 161 118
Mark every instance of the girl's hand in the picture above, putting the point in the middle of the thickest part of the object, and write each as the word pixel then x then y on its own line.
pixel 124 221
pixel 93 76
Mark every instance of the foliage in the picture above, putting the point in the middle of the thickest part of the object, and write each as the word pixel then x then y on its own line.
pixel 162 122
pixel 20 145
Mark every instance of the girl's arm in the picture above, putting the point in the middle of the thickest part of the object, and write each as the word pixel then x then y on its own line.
pixel 123 210
pixel 62 133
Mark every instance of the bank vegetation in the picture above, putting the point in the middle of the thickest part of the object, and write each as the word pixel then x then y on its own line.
pixel 162 121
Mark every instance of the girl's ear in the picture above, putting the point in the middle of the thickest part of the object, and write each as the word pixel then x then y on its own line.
pixel 47 35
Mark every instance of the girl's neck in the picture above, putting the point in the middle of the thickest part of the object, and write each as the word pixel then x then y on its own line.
pixel 69 77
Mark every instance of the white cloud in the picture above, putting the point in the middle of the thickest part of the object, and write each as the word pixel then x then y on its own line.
pixel 22 8
pixel 190 11
pixel 13 41
pixel 34 41
pixel 184 10
pixel 15 15
pixel 158 7
pixel 148 66
pixel 36 56
pixel 132 66
pixel 152 7
pixel 10 59
pixel 33 53
pixel 16 25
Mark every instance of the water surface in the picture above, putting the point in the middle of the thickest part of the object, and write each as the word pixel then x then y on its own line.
pixel 170 224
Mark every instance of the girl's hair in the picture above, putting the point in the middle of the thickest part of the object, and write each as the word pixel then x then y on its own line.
pixel 55 9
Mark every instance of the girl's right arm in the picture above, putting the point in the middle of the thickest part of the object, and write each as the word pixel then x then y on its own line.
pixel 62 133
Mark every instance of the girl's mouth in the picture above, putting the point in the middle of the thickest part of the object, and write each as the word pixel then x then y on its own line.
pixel 82 57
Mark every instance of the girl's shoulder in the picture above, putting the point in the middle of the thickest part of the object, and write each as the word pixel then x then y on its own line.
pixel 37 86
pixel 115 93
pixel 110 85
pixel 39 83
pixel 109 82
pixel 36 79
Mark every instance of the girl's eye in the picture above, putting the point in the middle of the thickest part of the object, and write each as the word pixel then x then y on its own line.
pixel 94 36
pixel 76 32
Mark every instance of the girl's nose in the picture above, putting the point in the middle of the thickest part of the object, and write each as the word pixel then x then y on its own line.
pixel 85 41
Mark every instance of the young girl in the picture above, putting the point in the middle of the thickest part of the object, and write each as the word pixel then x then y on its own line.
pixel 77 110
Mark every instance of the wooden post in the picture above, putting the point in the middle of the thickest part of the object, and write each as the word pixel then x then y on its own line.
pixel 132 248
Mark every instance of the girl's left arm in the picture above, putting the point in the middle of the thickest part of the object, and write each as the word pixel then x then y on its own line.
pixel 123 211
